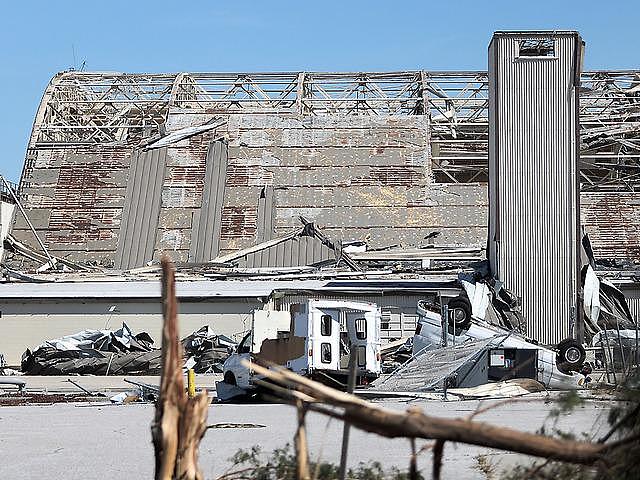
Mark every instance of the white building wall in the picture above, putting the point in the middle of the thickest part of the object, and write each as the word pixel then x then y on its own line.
pixel 399 312
pixel 6 217
pixel 26 324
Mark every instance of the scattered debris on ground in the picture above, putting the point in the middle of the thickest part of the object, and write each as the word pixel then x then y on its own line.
pixel 489 367
pixel 19 384
pixel 506 389
pixel 236 425
pixel 15 399
pixel 5 371
pixel 126 397
pixel 396 353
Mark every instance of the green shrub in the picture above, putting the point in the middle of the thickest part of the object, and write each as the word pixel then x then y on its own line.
pixel 281 465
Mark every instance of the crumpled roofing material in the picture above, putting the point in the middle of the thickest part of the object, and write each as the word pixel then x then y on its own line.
pixel 96 352
pixel 205 351
pixel 429 369
pixel 120 352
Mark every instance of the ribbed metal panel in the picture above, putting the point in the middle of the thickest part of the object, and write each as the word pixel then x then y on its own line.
pixel 534 194
pixel 205 243
pixel 302 251
pixel 631 292
pixel 139 224
pixel 634 306
pixel 266 215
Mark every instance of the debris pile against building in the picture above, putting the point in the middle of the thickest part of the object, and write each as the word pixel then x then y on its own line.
pixel 94 352
pixel 463 206
pixel 120 352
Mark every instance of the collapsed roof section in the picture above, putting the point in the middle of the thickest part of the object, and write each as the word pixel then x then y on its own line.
pixel 83 109
pixel 121 167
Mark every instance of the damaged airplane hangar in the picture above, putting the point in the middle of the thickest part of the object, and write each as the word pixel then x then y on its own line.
pixel 272 189
pixel 381 158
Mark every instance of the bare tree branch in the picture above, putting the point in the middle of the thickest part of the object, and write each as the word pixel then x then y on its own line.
pixel 416 424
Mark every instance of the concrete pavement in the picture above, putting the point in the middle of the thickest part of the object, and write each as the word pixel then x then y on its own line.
pixel 94 441
pixel 102 384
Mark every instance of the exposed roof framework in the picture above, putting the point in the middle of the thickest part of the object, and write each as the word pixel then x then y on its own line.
pixel 610 130
pixel 85 109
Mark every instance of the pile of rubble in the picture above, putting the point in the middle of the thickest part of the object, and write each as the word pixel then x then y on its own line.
pixel 121 352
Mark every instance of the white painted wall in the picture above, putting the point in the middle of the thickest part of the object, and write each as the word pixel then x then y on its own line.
pixel 399 312
pixel 26 324
pixel 6 216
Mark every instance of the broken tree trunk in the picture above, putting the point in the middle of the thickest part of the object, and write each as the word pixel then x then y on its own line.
pixel 180 422
pixel 416 424
pixel 300 441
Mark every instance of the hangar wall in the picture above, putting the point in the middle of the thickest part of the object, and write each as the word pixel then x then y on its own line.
pixel 292 143
pixel 362 178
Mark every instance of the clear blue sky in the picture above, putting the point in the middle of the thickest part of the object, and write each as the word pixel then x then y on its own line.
pixel 38 38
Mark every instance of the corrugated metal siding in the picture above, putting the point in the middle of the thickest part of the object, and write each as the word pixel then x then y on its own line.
pixel 205 243
pixel 634 306
pixel 266 216
pixel 303 248
pixel 357 178
pixel 631 292
pixel 294 252
pixel 141 210
pixel 398 311
pixel 535 169
pixel 74 199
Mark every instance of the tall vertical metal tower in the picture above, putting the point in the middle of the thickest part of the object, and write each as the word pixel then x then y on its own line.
pixel 534 203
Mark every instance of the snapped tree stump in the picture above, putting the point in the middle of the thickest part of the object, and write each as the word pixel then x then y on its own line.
pixel 180 422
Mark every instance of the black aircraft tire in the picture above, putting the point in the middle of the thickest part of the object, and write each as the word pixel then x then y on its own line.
pixel 571 355
pixel 462 321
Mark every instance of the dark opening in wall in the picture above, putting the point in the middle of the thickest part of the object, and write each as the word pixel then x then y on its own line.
pixel 454 164
pixel 537 47
pixel 325 325
pixel 361 328
pixel 448 176
pixel 325 352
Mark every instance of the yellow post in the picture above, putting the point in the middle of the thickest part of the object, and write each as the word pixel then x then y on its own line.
pixel 191 383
